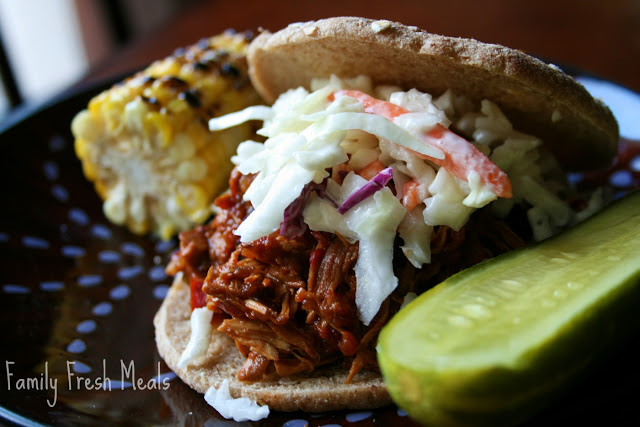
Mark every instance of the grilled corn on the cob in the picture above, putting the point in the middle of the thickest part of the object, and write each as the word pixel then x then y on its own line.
pixel 145 142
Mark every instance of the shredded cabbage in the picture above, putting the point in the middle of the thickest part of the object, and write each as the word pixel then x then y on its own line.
pixel 410 296
pixel 382 128
pixel 285 187
pixel 293 224
pixel 375 221
pixel 200 336
pixel 322 215
pixel 416 235
pixel 480 194
pixel 256 112
pixel 240 409
pixel 446 206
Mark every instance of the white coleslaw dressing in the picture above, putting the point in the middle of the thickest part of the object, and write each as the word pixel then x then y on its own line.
pixel 308 134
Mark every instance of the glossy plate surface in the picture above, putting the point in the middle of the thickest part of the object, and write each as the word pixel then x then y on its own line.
pixel 78 294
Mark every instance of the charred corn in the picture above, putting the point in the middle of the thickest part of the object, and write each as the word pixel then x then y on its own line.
pixel 145 143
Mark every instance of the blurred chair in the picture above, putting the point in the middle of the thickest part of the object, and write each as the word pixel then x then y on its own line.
pixel 47 45
pixel 10 92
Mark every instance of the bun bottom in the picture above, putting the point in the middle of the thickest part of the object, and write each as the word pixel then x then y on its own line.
pixel 322 390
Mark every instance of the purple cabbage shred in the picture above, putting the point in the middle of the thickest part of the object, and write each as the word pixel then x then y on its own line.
pixel 374 185
pixel 293 224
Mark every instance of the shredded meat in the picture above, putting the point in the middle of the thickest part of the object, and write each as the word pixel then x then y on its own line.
pixel 289 303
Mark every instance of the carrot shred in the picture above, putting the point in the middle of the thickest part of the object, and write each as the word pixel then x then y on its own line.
pixel 461 157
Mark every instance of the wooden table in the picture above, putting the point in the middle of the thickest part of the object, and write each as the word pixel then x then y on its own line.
pixel 601 37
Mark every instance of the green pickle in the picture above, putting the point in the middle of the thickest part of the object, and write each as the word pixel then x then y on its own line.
pixel 494 344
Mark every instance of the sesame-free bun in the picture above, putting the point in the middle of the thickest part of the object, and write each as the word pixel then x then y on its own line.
pixel 322 390
pixel 537 97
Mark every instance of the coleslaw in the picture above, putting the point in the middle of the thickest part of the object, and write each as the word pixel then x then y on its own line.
pixel 369 163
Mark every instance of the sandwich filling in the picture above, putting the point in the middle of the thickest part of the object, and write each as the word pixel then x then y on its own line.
pixel 359 198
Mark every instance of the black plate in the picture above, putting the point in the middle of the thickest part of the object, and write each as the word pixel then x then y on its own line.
pixel 78 294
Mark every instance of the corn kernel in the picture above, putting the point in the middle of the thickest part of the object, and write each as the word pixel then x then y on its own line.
pixel 191 198
pixel 181 149
pixel 192 170
pixel 114 206
pixel 167 230
pixel 134 113
pixel 163 127
pixel 82 125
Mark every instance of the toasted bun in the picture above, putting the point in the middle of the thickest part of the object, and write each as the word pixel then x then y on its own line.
pixel 323 390
pixel 538 98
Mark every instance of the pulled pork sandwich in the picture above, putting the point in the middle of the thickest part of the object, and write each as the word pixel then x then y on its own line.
pixel 392 159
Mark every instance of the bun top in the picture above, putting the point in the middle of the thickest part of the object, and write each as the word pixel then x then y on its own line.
pixel 537 97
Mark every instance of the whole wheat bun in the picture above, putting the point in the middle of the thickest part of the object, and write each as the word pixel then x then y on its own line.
pixel 323 390
pixel 538 98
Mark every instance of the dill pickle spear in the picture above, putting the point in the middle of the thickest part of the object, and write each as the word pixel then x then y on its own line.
pixel 495 343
